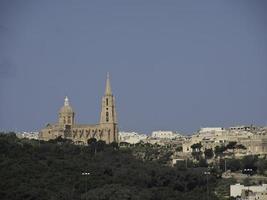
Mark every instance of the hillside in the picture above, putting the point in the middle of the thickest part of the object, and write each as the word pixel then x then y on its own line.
pixel 53 170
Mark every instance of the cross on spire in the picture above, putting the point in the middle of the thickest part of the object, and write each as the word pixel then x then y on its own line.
pixel 66 101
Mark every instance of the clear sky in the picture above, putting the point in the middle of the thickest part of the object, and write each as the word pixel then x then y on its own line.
pixel 174 65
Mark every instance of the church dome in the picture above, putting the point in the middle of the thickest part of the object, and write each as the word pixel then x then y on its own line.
pixel 66 108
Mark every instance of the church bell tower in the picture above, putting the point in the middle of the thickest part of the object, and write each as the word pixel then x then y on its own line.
pixel 108 118
pixel 66 114
pixel 108 113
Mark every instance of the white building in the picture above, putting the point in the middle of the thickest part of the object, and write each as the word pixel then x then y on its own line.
pixel 165 134
pixel 243 128
pixel 254 139
pixel 211 129
pixel 29 135
pixel 131 137
pixel 237 189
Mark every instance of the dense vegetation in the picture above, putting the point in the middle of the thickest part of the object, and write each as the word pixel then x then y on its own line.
pixel 149 152
pixel 53 170
pixel 223 158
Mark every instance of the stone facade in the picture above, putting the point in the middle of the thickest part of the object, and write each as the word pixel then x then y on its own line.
pixel 131 137
pixel 106 130
pixel 165 135
pixel 253 138
pixel 237 190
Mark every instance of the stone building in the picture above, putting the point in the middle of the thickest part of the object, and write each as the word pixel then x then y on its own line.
pixel 106 130
pixel 165 135
pixel 253 138
pixel 257 192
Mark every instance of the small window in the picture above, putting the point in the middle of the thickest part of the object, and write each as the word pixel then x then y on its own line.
pixel 107 116
pixel 106 101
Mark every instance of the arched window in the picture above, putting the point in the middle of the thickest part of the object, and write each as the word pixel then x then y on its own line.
pixel 107 117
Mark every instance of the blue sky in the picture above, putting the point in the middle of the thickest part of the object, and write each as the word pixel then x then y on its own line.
pixel 174 65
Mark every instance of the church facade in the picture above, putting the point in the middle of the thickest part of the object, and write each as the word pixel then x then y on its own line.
pixel 106 130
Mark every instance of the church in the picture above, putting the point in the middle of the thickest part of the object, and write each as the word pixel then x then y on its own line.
pixel 106 130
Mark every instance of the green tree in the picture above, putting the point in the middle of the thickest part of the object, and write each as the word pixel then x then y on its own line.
pixel 262 166
pixel 219 150
pixel 196 147
pixel 92 143
pixel 196 150
pixel 240 146
pixel 179 149
pixel 233 164
pixel 203 162
pixel 54 171
pixel 250 162
pixel 231 145
pixel 100 145
pixel 114 145
pixel 126 144
pixel 208 153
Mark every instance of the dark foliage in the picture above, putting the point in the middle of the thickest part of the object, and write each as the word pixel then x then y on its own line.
pixel 53 170
pixel 208 153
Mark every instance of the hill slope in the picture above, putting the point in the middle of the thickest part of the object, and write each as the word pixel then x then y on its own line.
pixel 52 170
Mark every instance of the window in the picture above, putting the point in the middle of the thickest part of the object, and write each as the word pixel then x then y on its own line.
pixel 106 101
pixel 107 116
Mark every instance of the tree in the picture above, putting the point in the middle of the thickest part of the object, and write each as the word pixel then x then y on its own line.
pixel 262 166
pixel 196 150
pixel 240 146
pixel 165 157
pixel 114 145
pixel 60 140
pixel 116 191
pixel 126 144
pixel 203 162
pixel 91 141
pixel 222 188
pixel 179 149
pixel 196 147
pixel 100 145
pixel 208 153
pixel 233 164
pixel 219 150
pixel 231 145
pixel 52 171
pixel 250 162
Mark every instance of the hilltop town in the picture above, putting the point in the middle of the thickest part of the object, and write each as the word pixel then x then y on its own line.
pixel 249 140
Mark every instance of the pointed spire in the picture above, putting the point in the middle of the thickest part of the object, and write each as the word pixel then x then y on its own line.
pixel 66 101
pixel 108 87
